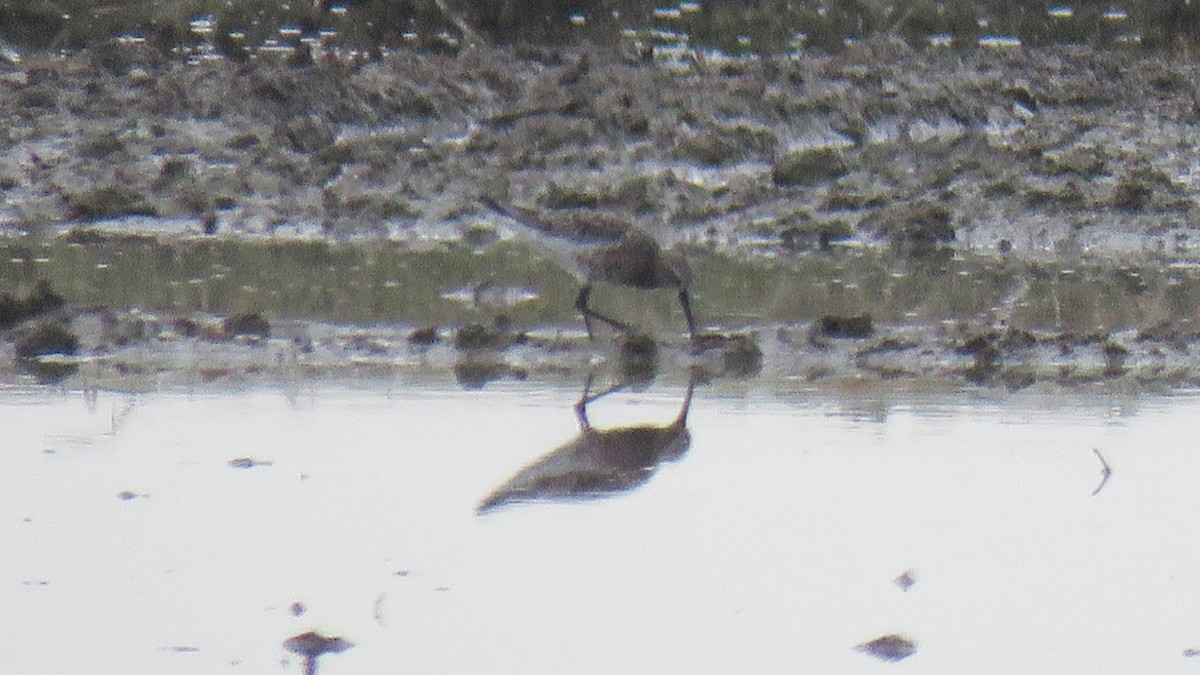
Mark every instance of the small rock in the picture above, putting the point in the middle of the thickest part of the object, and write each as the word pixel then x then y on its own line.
pixel 839 326
pixel 251 323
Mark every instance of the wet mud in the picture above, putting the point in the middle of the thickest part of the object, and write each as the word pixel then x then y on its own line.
pixel 995 217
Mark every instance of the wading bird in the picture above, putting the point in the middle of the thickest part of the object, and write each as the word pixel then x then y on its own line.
pixel 634 260
pixel 597 462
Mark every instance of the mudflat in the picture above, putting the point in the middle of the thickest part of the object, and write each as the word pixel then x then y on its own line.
pixel 1008 216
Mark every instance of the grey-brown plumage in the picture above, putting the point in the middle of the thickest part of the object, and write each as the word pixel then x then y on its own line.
pixel 597 462
pixel 631 258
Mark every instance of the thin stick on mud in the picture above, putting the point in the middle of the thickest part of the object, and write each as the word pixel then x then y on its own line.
pixel 1105 472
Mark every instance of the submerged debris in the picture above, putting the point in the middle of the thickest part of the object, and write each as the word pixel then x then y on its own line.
pixel 248 463
pixel 475 371
pixel 312 645
pixel 889 647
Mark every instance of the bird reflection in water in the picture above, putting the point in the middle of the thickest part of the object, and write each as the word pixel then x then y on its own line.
pixel 597 462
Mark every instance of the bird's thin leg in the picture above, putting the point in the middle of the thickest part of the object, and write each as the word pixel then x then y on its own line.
pixel 587 397
pixel 582 306
pixel 685 301
pixel 581 406
pixel 581 303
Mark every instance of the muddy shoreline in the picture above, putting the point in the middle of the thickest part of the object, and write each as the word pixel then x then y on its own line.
pixel 1023 164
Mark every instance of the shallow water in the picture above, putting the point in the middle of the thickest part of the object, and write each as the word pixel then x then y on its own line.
pixel 769 545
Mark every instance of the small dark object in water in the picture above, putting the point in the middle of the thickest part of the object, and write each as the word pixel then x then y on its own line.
pixel 479 336
pixel 837 326
pixel 740 354
pixel 126 495
pixel 297 608
pixel 424 336
pixel 889 647
pixel 47 338
pixel 311 645
pixel 906 580
pixel 247 463
pixel 988 358
pixel 1114 358
pixel 249 323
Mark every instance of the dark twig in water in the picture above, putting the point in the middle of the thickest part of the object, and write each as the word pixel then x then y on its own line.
pixel 1105 472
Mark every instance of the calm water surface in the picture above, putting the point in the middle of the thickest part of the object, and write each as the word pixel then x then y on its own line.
pixel 770 545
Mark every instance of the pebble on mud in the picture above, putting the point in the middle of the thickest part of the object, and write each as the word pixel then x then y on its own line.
pixel 110 201
pixel 251 324
pixel 839 326
pixel 914 229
